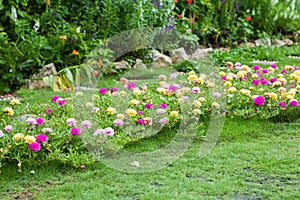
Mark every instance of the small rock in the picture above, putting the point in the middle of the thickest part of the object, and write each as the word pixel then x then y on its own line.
pixel 121 65
pixel 288 42
pixel 201 53
pixel 278 42
pixel 262 42
pixel 135 163
pixel 179 55
pixel 160 59
pixel 139 64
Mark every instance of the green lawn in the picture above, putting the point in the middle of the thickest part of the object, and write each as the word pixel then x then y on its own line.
pixel 254 159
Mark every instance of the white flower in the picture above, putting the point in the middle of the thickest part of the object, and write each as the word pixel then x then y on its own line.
pixel 36 26
pixel 14 15
pixel 78 30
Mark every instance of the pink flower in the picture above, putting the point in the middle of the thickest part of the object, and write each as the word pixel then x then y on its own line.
pixel 71 122
pixel 109 131
pixel 124 80
pixel 118 122
pixel 148 120
pixel 47 130
pixel 1 134
pixel 162 77
pixel 294 102
pixel 61 102
pixel 173 76
pixel 86 124
pixel 196 90
pixel 8 128
pixel 35 146
pixel 54 98
pixel 140 112
pixel 102 90
pixel 160 111
pixel 39 121
pixel 172 88
pixel 98 132
pixel 259 101
pixel 75 131
pixel 131 85
pixel 163 121
pixel 31 121
pixel 41 138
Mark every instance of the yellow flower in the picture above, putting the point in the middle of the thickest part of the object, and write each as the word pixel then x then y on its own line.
pixel 136 92
pixel 251 88
pixel 276 83
pixel 80 94
pixel 297 72
pixel 261 89
pixel 293 76
pixel 197 103
pixel 134 102
pixel 111 110
pixel 273 95
pixel 280 75
pixel 196 111
pixel 201 99
pixel 282 80
pixel 291 92
pixel 29 139
pixel 200 80
pixel 232 89
pixel 271 70
pixel 131 112
pixel 289 97
pixel 120 116
pixel 192 77
pixel 89 105
pixel 281 89
pixel 173 113
pixel 186 89
pixel 14 102
pixel 161 90
pixel 245 67
pixel 123 93
pixel 215 105
pixel 227 84
pixel 245 92
pixel 192 72
pixel 254 76
pixel 229 78
pixel 222 73
pixel 18 137
pixel 8 110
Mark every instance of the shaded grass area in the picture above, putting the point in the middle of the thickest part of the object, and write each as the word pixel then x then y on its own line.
pixel 254 159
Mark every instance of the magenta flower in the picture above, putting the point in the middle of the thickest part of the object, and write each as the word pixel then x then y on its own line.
pixel 118 122
pixel 71 122
pixel 259 101
pixel 223 78
pixel 140 112
pixel 109 131
pixel 102 90
pixel 54 98
pixel 264 71
pixel 164 106
pixel 149 105
pixel 41 138
pixel 172 88
pixel 272 80
pixel 114 90
pixel 75 131
pixel 282 104
pixel 39 121
pixel 131 85
pixel 35 146
pixel 256 67
pixel 255 82
pixel 264 81
pixel 273 66
pixel 294 102
pixel 140 121
pixel 49 110
pixel 283 71
pixel 8 128
pixel 61 102
pixel 86 124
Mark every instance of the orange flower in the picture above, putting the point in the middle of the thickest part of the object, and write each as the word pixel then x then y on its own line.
pixel 179 15
pixel 248 18
pixel 63 37
pixel 75 52
pixel 192 20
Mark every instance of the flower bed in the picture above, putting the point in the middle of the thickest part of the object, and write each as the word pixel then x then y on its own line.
pixel 63 128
